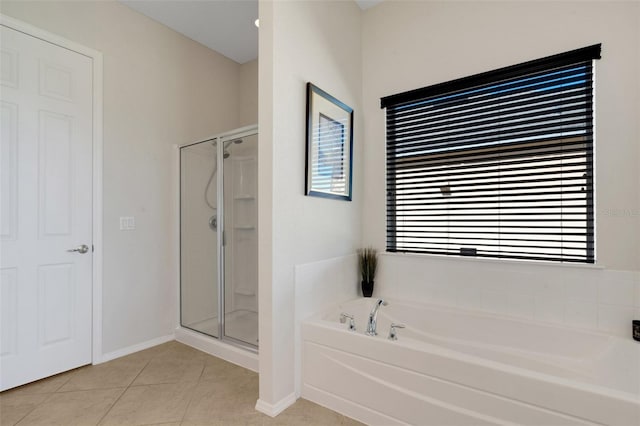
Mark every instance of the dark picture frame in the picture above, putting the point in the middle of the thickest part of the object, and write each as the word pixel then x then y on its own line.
pixel 329 158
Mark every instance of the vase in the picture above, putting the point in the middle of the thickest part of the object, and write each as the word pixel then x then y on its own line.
pixel 367 288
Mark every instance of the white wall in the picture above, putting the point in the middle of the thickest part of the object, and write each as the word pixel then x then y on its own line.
pixel 407 45
pixel 315 41
pixel 248 93
pixel 160 89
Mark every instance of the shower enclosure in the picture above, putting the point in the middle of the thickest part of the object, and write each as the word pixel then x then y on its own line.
pixel 219 237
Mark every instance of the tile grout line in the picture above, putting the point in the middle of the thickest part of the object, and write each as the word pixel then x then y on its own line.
pixel 200 379
pixel 130 385
pixel 123 392
pixel 50 395
pixel 92 389
pixel 112 405
pixel 193 390
pixel 34 408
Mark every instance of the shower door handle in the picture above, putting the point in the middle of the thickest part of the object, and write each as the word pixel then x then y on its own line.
pixel 213 223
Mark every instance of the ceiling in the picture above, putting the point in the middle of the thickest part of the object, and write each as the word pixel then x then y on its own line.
pixel 226 26
pixel 366 4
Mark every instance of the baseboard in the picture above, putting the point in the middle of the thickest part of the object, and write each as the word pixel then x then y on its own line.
pixel 273 410
pixel 241 357
pixel 135 348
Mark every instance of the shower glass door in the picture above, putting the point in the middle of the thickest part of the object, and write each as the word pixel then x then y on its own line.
pixel 199 295
pixel 219 237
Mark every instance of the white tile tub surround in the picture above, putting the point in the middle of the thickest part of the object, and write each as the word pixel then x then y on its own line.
pixel 460 367
pixel 319 286
pixel 581 296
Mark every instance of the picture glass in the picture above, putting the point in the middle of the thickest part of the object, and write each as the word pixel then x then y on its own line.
pixel 329 143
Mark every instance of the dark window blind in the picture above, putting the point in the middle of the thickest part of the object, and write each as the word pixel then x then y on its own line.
pixel 496 165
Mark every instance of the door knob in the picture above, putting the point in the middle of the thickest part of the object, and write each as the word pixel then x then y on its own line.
pixel 80 249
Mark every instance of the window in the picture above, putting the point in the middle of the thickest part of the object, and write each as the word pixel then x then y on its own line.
pixel 497 165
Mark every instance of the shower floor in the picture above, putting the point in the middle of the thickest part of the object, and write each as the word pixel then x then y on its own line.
pixel 240 324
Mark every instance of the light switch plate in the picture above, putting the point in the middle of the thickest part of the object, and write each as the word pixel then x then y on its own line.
pixel 127 223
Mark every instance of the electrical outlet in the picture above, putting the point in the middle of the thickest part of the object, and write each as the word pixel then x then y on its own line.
pixel 127 223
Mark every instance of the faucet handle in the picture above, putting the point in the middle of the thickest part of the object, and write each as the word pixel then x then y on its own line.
pixel 393 333
pixel 352 323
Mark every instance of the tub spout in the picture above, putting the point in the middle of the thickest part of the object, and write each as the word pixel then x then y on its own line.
pixel 373 317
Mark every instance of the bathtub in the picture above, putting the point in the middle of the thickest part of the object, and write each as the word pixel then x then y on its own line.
pixel 457 367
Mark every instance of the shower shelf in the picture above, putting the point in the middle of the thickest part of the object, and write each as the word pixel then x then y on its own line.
pixel 245 227
pixel 244 197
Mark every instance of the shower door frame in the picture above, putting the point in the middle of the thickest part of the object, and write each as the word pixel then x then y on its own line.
pixel 220 140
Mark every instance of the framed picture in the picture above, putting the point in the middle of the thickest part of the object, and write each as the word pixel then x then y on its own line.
pixel 329 146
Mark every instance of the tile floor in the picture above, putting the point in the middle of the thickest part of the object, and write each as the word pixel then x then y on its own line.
pixel 169 384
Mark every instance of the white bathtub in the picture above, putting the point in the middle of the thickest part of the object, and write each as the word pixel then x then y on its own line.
pixel 456 367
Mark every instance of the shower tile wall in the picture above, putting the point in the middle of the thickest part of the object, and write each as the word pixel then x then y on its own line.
pixel 587 297
pixel 241 262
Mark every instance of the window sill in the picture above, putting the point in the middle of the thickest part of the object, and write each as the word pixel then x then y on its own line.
pixel 542 263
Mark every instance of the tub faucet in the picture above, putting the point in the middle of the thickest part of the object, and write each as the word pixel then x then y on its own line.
pixel 352 322
pixel 393 331
pixel 373 317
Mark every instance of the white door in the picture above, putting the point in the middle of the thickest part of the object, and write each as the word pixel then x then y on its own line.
pixel 45 210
